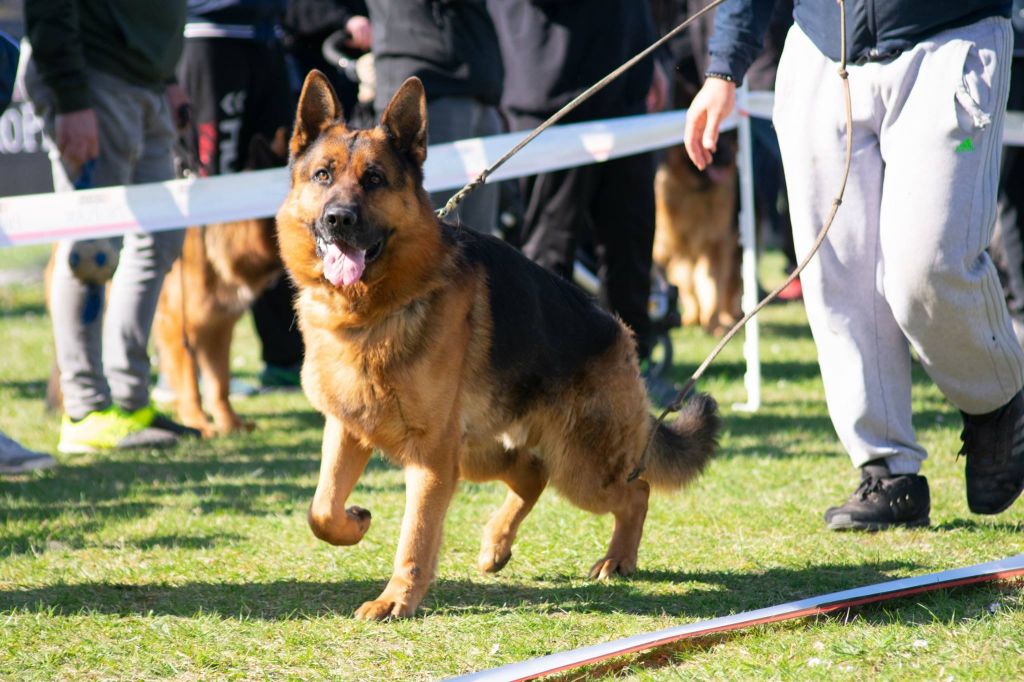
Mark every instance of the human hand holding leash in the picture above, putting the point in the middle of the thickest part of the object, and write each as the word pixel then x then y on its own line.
pixel 712 105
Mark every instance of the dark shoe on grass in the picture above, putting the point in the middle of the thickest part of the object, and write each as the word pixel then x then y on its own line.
pixel 994 447
pixel 880 502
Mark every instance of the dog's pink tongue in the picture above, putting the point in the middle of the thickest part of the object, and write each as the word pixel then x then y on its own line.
pixel 343 265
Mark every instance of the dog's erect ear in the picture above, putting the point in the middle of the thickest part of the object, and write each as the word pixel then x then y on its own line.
pixel 318 108
pixel 405 120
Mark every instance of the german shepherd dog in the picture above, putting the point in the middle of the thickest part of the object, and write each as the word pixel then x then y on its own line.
pixel 223 268
pixel 695 238
pixel 456 357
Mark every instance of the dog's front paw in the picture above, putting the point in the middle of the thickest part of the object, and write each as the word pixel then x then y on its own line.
pixel 384 609
pixel 492 558
pixel 226 427
pixel 609 566
pixel 349 529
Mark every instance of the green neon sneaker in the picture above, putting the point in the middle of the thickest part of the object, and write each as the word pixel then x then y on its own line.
pixel 117 429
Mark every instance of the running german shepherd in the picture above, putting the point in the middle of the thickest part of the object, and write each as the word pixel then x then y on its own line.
pixel 455 356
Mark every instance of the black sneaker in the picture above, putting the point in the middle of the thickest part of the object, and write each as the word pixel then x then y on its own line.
pixel 883 501
pixel 994 447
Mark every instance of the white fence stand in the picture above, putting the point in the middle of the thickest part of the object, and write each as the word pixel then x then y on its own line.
pixel 748 242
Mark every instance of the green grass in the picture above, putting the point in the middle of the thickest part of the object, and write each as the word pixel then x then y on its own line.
pixel 197 563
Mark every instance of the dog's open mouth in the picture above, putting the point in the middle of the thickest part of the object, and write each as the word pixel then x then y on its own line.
pixel 344 264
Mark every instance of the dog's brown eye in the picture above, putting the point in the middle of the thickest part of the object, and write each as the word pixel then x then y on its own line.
pixel 373 178
pixel 322 176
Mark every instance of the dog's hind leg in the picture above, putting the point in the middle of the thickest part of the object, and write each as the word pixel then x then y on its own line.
pixel 627 502
pixel 179 366
pixel 214 357
pixel 342 461
pixel 526 479
pixel 630 513
pixel 593 448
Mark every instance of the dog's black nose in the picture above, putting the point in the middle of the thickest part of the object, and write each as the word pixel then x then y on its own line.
pixel 340 216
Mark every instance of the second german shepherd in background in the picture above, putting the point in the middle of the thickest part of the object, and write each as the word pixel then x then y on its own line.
pixel 695 238
pixel 223 268
pixel 457 357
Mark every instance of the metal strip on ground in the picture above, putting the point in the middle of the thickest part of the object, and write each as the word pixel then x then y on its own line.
pixel 558 662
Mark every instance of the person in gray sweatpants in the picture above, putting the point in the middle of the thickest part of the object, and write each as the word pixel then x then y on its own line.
pixel 904 267
pixel 102 80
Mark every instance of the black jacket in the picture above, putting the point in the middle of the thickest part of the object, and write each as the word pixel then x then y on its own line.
pixel 449 44
pixel 555 49
pixel 876 29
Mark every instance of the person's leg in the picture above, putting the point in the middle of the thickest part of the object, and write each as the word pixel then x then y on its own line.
pixel 554 211
pixel 456 118
pixel 145 259
pixel 864 358
pixel 1011 210
pixel 76 308
pixel 268 106
pixel 622 217
pixel 215 73
pixel 274 318
pixel 770 188
pixel 270 103
pixel 939 280
pixel 92 422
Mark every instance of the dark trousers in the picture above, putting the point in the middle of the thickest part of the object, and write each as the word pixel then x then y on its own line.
pixel 274 318
pixel 770 187
pixel 240 88
pixel 607 205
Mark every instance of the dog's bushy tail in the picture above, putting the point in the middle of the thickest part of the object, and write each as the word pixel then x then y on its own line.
pixel 680 450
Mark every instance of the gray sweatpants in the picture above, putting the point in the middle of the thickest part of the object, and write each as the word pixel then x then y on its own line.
pixel 106 360
pixel 904 265
pixel 457 118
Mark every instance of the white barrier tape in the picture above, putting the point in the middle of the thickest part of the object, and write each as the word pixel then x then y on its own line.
pixel 758 104
pixel 153 207
pixel 109 211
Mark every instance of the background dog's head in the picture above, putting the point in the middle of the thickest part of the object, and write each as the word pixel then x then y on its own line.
pixel 356 210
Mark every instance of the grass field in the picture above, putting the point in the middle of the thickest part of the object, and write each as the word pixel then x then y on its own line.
pixel 197 563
